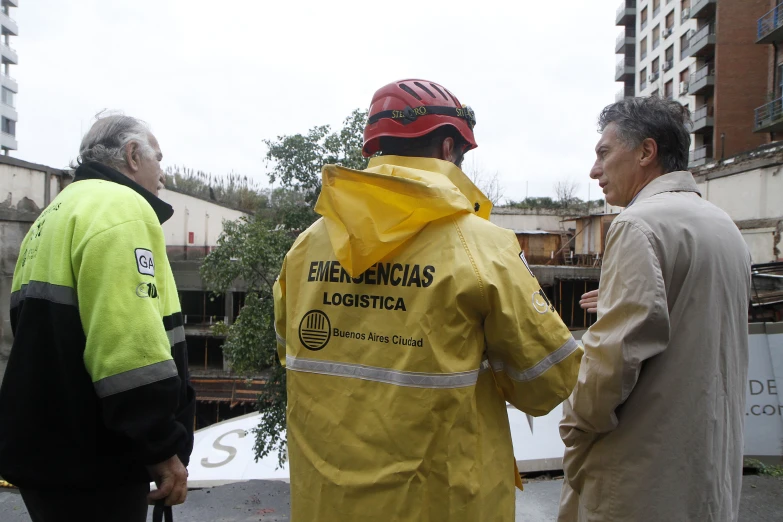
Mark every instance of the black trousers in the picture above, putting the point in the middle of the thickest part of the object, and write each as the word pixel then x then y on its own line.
pixel 113 504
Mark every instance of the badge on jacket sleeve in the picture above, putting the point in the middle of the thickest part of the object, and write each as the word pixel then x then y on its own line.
pixel 144 262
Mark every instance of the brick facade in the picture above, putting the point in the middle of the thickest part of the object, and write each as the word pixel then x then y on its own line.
pixel 742 76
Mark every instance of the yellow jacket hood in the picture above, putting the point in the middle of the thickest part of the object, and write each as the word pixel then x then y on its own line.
pixel 370 213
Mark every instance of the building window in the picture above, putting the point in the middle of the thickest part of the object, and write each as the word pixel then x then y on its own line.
pixel 779 88
pixel 643 79
pixel 656 36
pixel 656 7
pixel 684 74
pixel 643 48
pixel 644 17
pixel 655 66
pixel 9 126
pixel 8 97
pixel 670 54
pixel 654 93
pixel 685 4
pixel 668 89
pixel 684 45
pixel 670 20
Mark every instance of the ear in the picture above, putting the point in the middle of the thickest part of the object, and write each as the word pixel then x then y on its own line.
pixel 649 152
pixel 447 149
pixel 133 156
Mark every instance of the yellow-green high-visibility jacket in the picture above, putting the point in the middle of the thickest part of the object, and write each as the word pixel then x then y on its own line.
pixel 406 320
pixel 96 385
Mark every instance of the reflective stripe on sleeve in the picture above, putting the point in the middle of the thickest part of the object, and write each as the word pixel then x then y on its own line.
pixel 47 291
pixel 536 371
pixel 176 335
pixel 280 338
pixel 135 378
pixel 384 375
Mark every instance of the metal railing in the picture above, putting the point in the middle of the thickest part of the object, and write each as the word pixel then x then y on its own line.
pixel 701 34
pixel 200 320
pixel 702 153
pixel 698 4
pixel 621 39
pixel 770 113
pixel 625 5
pixel 702 73
pixel 703 112
pixel 769 22
pixel 628 61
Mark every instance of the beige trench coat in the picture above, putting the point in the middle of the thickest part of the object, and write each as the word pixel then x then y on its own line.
pixel 653 430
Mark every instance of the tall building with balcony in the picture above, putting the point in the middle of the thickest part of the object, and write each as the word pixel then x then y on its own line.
pixel 768 118
pixel 700 53
pixel 8 115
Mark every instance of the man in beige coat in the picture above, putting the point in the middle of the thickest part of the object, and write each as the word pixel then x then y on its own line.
pixel 653 430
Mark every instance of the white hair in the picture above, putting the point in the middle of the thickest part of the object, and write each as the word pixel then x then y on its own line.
pixel 106 140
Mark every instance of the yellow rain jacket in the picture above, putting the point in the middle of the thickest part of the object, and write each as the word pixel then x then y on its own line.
pixel 406 320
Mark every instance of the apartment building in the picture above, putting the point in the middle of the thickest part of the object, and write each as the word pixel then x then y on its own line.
pixel 702 54
pixel 768 118
pixel 8 86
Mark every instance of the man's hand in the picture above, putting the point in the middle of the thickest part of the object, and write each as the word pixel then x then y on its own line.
pixel 172 480
pixel 589 301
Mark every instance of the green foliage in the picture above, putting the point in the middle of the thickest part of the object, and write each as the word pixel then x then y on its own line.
pixel 297 160
pixel 770 470
pixel 252 250
pixel 547 203
pixel 232 190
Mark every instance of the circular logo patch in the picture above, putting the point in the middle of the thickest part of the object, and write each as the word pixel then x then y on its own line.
pixel 315 330
pixel 540 302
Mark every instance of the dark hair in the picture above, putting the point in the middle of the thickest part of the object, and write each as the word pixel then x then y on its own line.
pixel 423 146
pixel 664 121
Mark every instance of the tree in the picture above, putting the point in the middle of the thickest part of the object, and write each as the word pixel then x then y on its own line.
pixel 253 248
pixel 565 191
pixel 487 183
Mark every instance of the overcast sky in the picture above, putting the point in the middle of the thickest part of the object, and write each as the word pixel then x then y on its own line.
pixel 214 79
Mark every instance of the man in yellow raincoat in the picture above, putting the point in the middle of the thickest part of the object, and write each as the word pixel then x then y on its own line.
pixel 406 320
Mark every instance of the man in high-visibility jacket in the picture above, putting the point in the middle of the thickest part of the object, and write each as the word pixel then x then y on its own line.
pixel 96 400
pixel 406 320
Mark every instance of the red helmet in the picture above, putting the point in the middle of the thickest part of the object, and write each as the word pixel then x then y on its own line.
pixel 413 108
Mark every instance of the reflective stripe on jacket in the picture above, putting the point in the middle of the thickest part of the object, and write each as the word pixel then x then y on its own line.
pixel 406 320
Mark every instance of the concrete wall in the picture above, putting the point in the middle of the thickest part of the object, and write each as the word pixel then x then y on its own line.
pixel 756 194
pixel 192 215
pixel 526 221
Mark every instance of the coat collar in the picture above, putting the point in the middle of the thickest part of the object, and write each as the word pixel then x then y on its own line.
pixel 679 181
pixel 94 170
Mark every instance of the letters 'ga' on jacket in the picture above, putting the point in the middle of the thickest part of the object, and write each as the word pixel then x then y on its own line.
pixel 96 385
pixel 405 320
pixel 653 430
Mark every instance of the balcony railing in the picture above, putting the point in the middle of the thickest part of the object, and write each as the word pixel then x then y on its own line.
pixel 624 67
pixel 697 6
pixel 625 12
pixel 703 112
pixel 770 22
pixel 769 114
pixel 700 40
pixel 701 155
pixel 701 73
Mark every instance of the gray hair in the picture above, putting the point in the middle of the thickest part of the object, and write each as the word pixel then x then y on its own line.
pixel 664 121
pixel 106 140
